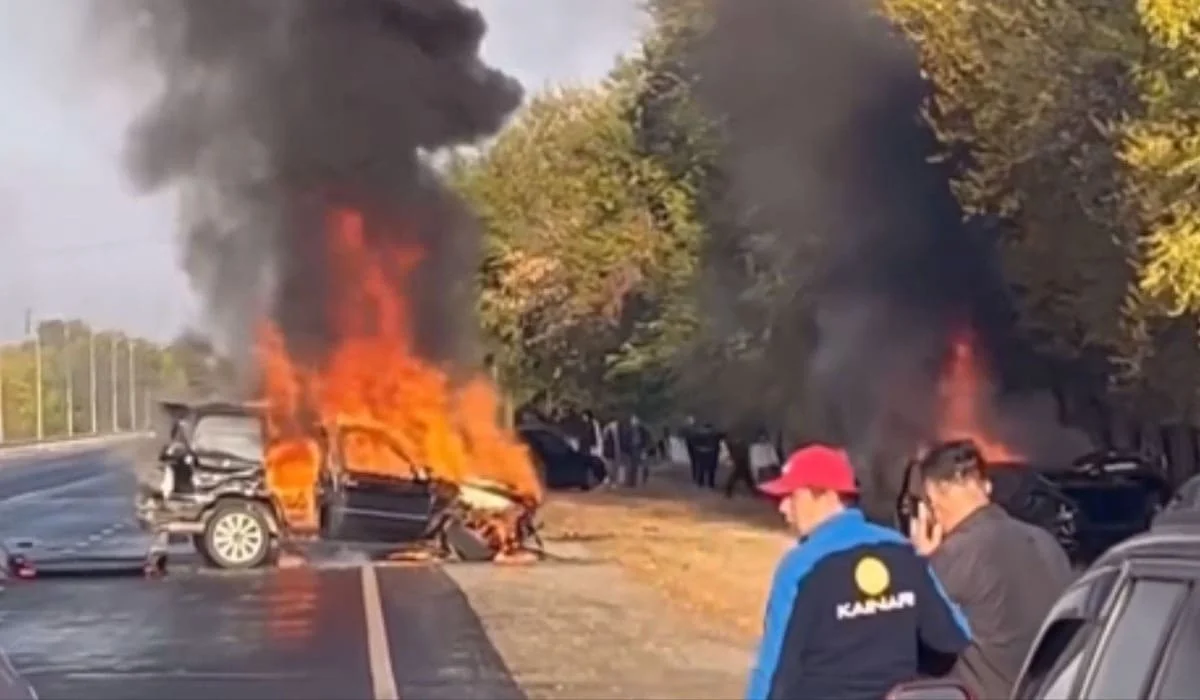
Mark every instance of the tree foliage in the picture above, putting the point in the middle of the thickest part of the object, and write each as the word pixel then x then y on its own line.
pixel 1023 97
pixel 1073 132
pixel 1074 127
pixel 589 253
pixel 79 362
pixel 1162 150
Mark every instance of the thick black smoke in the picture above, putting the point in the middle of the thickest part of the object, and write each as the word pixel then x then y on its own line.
pixel 831 189
pixel 273 113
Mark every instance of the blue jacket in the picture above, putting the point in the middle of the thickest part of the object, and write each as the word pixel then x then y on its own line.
pixel 849 611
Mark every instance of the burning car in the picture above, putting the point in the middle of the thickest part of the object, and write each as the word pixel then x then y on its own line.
pixel 216 488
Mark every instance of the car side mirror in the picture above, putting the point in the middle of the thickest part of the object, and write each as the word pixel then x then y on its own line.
pixel 932 689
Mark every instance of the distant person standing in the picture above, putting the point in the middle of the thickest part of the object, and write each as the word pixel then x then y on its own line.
pixel 704 444
pixel 589 434
pixel 689 430
pixel 738 444
pixel 628 441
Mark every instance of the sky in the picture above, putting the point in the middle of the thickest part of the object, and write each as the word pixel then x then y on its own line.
pixel 76 241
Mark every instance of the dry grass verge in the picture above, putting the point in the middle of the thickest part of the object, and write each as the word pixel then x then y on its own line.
pixel 712 556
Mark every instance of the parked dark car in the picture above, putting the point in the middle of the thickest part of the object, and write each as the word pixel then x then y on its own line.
pixel 560 464
pixel 215 488
pixel 1097 501
pixel 1129 627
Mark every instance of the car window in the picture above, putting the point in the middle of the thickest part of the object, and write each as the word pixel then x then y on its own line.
pixel 1181 667
pixel 374 452
pixel 238 436
pixel 1059 685
pixel 1055 663
pixel 1059 651
pixel 1139 631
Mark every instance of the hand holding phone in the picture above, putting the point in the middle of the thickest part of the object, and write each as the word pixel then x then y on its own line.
pixel 924 530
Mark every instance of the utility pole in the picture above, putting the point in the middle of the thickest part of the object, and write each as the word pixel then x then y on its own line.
pixel 37 372
pixel 112 382
pixel 1 395
pixel 92 393
pixel 132 386
pixel 70 380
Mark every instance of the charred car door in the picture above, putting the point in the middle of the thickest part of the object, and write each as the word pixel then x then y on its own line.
pixel 370 491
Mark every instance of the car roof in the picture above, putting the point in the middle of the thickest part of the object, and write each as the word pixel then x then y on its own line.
pixel 180 409
pixel 1175 534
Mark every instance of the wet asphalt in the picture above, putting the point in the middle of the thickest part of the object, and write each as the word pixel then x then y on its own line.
pixel 335 630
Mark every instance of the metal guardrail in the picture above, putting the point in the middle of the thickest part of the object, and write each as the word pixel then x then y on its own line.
pixel 33 445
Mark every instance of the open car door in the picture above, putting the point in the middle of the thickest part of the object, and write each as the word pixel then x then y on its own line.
pixel 372 492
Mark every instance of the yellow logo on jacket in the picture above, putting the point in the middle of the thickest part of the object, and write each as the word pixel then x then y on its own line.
pixel 871 576
pixel 873 579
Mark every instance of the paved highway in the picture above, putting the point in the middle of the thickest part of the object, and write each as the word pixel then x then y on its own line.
pixel 338 630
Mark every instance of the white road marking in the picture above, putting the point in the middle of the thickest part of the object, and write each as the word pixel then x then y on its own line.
pixel 49 491
pixel 383 678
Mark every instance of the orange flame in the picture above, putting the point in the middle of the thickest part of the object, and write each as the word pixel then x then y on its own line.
pixel 963 391
pixel 414 416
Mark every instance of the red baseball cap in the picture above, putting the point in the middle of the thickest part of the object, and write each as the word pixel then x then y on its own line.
pixel 814 467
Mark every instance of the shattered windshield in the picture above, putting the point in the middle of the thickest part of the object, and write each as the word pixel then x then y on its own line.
pixel 237 436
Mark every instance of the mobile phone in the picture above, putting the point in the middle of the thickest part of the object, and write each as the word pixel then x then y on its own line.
pixel 925 516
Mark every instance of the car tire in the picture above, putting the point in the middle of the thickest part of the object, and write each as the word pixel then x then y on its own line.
pixel 588 482
pixel 237 535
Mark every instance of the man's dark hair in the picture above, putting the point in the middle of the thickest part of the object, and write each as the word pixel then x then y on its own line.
pixel 952 460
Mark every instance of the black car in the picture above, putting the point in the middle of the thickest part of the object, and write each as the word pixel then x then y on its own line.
pixel 1129 627
pixel 215 488
pixel 560 464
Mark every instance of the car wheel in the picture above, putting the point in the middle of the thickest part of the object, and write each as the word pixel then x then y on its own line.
pixel 236 536
pixel 588 482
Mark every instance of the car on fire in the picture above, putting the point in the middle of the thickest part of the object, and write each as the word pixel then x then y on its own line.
pixel 215 488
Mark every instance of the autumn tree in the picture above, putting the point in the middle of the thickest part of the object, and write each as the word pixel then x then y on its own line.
pixel 1023 98
pixel 1073 126
pixel 589 251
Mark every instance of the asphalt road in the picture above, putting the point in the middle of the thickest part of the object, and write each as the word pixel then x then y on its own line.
pixel 330 632
pixel 338 627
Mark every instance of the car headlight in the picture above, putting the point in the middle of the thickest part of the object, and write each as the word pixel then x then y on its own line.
pixel 168 482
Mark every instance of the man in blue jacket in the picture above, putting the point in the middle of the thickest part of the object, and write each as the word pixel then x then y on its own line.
pixel 852 604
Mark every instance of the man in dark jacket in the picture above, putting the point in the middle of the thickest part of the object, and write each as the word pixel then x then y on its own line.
pixel 852 606
pixel 704 445
pixel 629 441
pixel 738 441
pixel 1003 573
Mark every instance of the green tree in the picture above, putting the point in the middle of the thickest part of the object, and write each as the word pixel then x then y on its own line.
pixel 70 348
pixel 589 254
pixel 1024 96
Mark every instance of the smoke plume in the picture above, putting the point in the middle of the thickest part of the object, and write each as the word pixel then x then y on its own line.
pixel 831 191
pixel 272 113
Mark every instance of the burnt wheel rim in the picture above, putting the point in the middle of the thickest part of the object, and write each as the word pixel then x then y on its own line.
pixel 238 538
